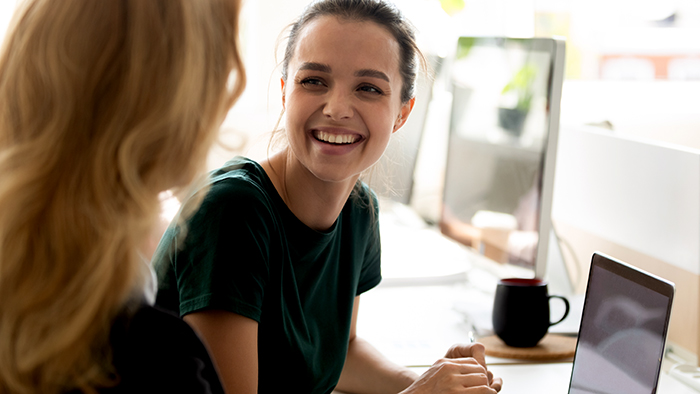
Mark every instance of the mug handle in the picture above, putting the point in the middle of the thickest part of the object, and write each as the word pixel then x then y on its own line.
pixel 566 311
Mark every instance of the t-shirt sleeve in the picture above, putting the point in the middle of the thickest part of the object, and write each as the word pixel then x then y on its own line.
pixel 371 273
pixel 224 261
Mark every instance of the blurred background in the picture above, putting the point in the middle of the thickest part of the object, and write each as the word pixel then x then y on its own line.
pixel 632 65
pixel 632 70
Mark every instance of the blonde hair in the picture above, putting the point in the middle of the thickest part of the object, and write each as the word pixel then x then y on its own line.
pixel 103 104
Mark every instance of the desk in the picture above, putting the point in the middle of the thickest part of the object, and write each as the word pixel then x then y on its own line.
pixel 415 325
pixel 554 379
pixel 413 321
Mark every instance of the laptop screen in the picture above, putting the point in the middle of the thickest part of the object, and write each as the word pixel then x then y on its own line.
pixel 623 330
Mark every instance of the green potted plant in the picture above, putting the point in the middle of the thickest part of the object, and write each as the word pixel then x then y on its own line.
pixel 520 91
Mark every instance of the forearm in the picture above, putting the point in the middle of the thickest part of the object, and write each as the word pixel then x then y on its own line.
pixel 367 371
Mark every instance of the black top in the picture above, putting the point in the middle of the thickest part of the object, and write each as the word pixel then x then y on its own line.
pixel 245 252
pixel 155 351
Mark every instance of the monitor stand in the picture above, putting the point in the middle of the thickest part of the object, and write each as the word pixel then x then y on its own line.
pixel 557 274
pixel 560 283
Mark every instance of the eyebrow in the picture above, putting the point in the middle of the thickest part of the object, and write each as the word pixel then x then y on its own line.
pixel 315 67
pixel 368 72
pixel 365 72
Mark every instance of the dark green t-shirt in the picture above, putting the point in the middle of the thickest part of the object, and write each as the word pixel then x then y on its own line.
pixel 245 252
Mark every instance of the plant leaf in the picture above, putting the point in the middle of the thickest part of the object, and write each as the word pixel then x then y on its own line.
pixel 452 6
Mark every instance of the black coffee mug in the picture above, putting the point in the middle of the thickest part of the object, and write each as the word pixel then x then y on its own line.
pixel 521 311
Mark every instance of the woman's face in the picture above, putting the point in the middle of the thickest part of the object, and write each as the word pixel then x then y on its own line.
pixel 342 97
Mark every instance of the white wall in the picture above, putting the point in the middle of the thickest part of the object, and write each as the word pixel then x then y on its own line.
pixel 640 194
pixel 665 111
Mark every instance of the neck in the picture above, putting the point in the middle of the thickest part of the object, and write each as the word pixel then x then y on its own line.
pixel 317 203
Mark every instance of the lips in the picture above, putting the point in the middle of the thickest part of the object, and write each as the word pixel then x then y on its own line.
pixel 336 138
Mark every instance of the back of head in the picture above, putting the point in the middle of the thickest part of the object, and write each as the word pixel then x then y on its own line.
pixel 103 104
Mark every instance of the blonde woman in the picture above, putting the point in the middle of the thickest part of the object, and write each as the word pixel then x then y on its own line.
pixel 103 105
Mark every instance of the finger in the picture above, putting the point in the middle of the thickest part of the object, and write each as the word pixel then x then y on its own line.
pixel 497 384
pixel 479 390
pixel 473 380
pixel 464 361
pixel 478 351
pixel 458 360
pixel 467 369
pixel 454 351
pixel 460 366
pixel 459 350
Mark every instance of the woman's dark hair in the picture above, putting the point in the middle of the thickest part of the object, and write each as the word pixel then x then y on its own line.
pixel 378 11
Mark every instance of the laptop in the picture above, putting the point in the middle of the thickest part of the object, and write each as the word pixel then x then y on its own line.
pixel 623 330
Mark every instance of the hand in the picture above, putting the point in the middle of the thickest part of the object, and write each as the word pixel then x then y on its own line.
pixel 453 375
pixel 474 350
pixel 477 351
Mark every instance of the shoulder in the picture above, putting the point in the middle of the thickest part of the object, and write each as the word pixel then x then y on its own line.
pixel 155 333
pixel 239 177
pixel 243 182
pixel 240 190
pixel 149 322
pixel 363 192
pixel 363 202
pixel 154 350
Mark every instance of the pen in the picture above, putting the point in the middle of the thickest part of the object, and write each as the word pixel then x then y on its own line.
pixel 472 333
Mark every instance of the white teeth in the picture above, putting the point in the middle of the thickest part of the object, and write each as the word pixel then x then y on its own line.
pixel 335 138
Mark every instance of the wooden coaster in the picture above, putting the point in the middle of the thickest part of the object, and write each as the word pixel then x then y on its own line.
pixel 551 347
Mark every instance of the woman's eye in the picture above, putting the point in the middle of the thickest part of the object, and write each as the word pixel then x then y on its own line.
pixel 311 82
pixel 370 89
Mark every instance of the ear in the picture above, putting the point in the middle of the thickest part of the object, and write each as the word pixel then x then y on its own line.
pixel 283 96
pixel 403 114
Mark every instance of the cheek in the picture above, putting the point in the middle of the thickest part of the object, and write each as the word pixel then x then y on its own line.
pixel 383 123
pixel 293 113
pixel 381 133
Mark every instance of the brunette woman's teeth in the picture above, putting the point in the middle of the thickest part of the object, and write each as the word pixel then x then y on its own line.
pixel 335 138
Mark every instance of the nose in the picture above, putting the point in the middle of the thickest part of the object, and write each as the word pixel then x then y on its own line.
pixel 339 105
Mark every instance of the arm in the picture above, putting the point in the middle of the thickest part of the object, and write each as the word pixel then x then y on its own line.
pixel 367 371
pixel 232 341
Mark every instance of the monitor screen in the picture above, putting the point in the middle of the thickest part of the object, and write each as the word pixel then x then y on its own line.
pixel 502 146
pixel 392 177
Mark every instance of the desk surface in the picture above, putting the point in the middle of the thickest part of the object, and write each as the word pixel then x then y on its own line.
pixel 554 379
pixel 413 323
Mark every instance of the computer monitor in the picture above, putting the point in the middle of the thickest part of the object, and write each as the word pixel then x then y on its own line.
pixel 393 176
pixel 502 147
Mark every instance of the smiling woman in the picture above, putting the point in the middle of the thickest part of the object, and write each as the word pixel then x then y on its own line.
pixel 272 266
pixel 344 82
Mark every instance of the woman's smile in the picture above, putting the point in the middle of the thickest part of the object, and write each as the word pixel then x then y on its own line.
pixel 336 138
pixel 335 142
